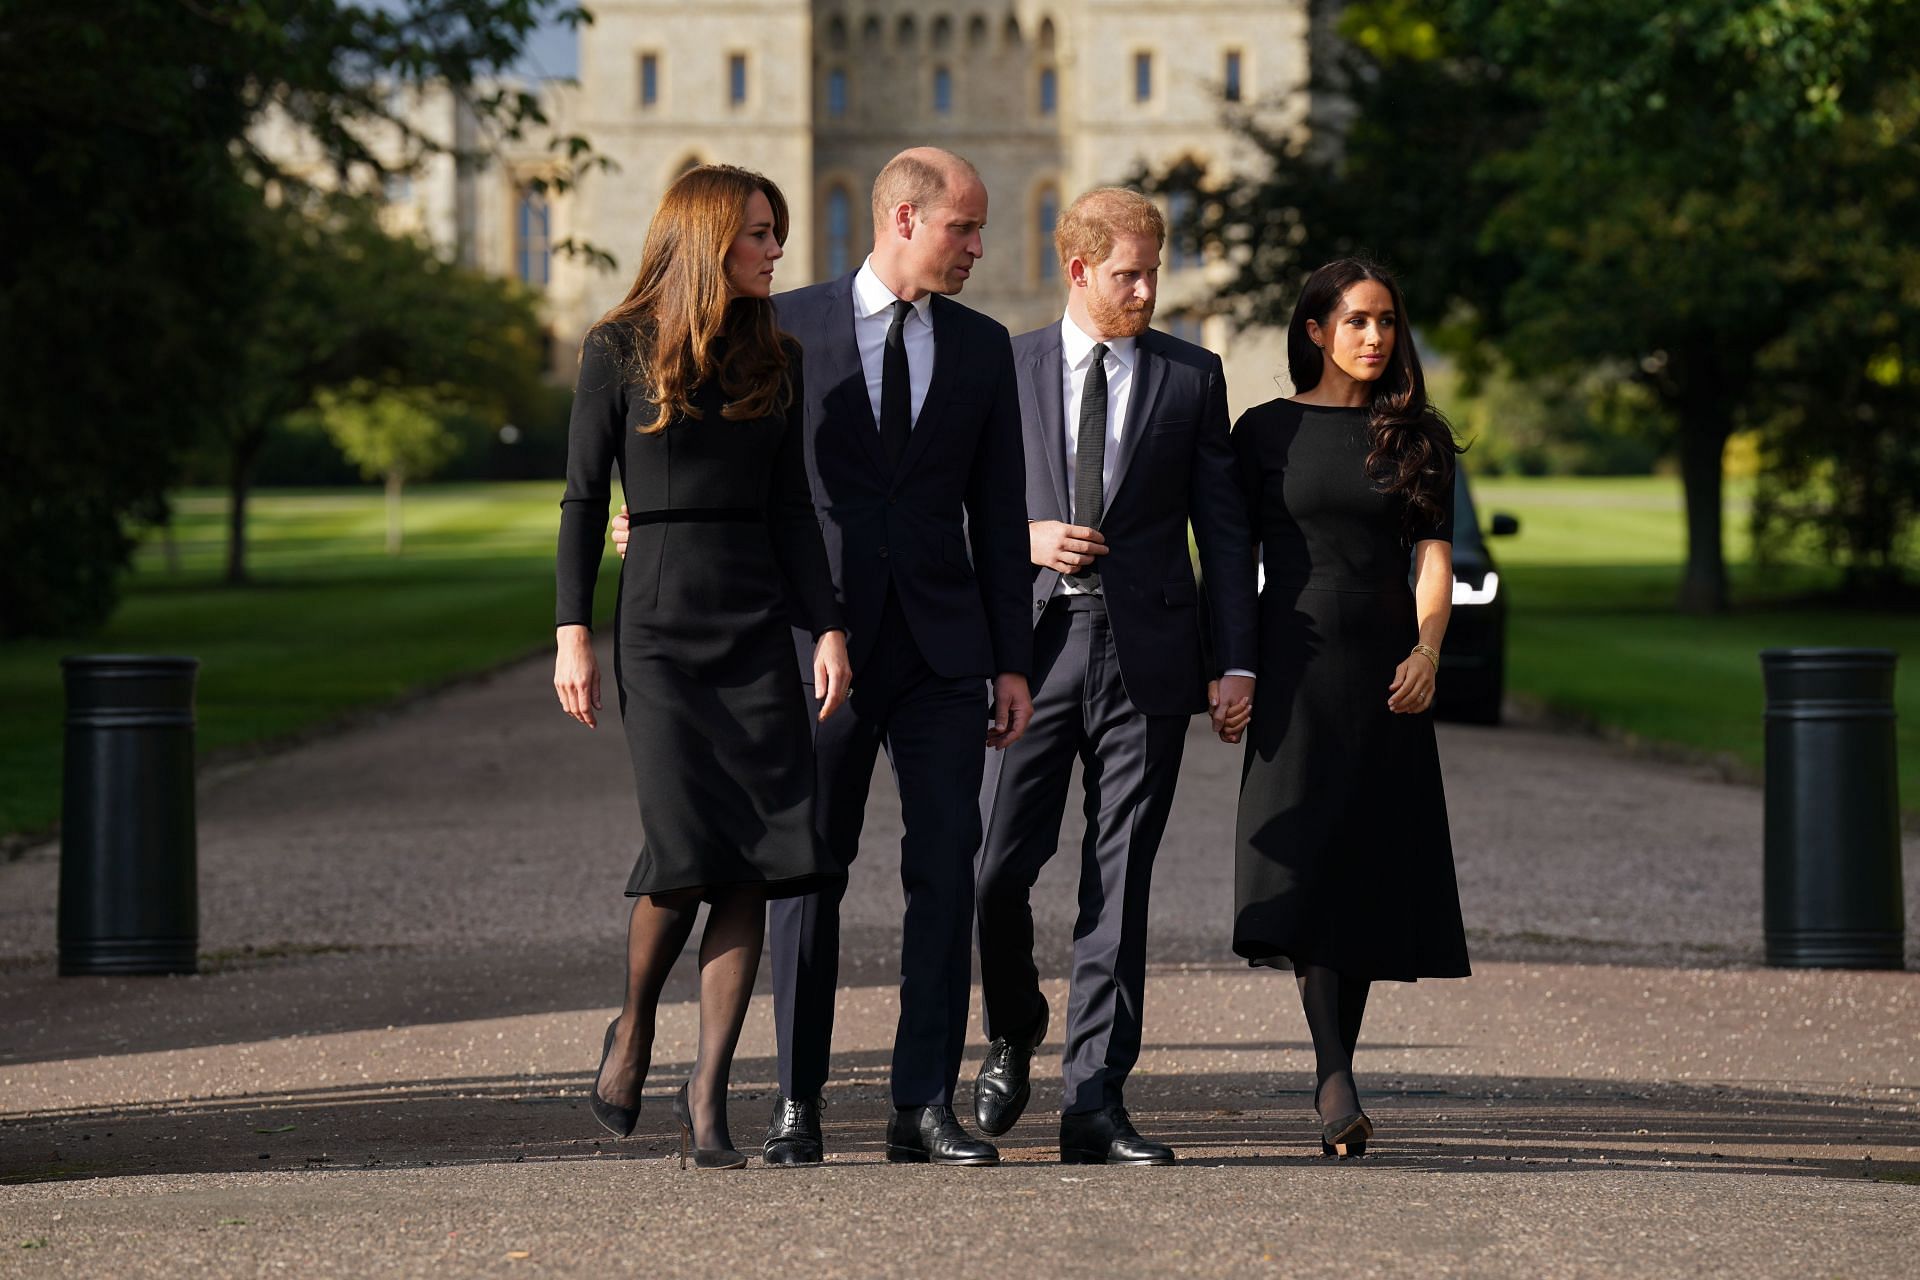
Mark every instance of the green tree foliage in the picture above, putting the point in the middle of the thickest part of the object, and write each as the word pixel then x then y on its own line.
pixel 1673 188
pixel 134 272
pixel 392 434
pixel 352 304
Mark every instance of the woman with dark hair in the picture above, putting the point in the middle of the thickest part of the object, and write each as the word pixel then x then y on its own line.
pixel 1343 866
pixel 691 391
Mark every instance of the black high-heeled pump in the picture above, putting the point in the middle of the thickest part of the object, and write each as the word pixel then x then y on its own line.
pixel 618 1121
pixel 703 1157
pixel 1347 1136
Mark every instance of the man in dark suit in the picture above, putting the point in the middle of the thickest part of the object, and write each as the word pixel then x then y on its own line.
pixel 913 451
pixel 1125 432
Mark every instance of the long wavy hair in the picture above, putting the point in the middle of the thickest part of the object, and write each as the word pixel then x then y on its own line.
pixel 1412 446
pixel 679 320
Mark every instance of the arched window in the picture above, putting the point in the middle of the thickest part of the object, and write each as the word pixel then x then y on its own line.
pixel 870 30
pixel 942 31
pixel 1010 33
pixel 1045 39
pixel 1181 252
pixel 906 32
pixel 942 91
pixel 837 92
pixel 1049 95
pixel 977 32
pixel 533 238
pixel 839 232
pixel 1046 216
pixel 837 33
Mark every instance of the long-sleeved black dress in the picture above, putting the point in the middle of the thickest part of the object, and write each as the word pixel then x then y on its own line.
pixel 1343 855
pixel 725 557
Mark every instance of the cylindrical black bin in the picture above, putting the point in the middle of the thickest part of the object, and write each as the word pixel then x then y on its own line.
pixel 1833 891
pixel 128 888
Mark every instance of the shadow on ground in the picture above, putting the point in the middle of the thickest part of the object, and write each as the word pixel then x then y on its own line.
pixel 1468 1123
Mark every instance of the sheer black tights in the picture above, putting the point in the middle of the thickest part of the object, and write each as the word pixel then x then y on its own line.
pixel 657 931
pixel 1334 1007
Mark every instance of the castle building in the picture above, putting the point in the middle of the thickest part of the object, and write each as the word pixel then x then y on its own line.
pixel 1046 97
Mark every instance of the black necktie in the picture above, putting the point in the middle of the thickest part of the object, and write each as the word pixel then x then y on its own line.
pixel 896 387
pixel 1090 455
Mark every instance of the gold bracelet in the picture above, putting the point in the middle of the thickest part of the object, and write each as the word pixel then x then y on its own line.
pixel 1430 653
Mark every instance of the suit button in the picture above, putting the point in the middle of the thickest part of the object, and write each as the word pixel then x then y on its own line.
pixel 883 553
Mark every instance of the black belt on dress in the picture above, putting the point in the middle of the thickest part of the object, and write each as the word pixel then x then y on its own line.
pixel 701 515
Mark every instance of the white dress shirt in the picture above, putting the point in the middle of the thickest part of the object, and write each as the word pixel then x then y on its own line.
pixel 872 317
pixel 1076 358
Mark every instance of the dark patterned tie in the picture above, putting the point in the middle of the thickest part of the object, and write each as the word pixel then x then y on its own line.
pixel 1090 456
pixel 896 387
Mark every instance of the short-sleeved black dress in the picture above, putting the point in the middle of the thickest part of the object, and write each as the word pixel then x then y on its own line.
pixel 1343 855
pixel 724 559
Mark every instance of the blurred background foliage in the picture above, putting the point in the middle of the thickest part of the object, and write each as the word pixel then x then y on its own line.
pixel 1634 226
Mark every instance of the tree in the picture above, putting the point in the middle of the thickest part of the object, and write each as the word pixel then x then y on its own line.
pixel 1638 184
pixel 392 434
pixel 132 270
pixel 353 305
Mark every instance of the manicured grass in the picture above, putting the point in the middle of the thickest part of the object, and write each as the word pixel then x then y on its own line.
pixel 1593 634
pixel 332 623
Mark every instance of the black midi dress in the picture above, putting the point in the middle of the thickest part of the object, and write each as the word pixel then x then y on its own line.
pixel 1343 856
pixel 725 556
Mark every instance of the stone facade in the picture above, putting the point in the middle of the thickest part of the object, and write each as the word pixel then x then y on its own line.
pixel 1046 97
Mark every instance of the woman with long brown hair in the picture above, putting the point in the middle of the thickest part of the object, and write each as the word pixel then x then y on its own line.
pixel 1344 865
pixel 692 392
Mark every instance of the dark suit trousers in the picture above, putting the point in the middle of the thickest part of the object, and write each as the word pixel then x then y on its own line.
pixel 1132 761
pixel 932 728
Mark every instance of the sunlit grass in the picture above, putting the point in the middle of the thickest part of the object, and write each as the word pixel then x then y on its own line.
pixel 330 624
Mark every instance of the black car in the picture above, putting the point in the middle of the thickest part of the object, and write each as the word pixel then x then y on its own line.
pixel 1473 661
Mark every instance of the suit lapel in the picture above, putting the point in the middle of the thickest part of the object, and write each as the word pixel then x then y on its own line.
pixel 1044 376
pixel 948 359
pixel 1149 372
pixel 847 399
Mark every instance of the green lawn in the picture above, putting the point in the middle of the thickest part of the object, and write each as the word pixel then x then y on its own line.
pixel 332 623
pixel 1592 575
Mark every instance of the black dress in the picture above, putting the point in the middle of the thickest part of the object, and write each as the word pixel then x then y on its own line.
pixel 1343 857
pixel 725 557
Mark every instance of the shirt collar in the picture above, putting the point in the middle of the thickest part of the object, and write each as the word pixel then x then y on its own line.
pixel 870 296
pixel 1077 345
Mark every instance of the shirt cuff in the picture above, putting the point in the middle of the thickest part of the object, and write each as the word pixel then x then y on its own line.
pixel 1236 671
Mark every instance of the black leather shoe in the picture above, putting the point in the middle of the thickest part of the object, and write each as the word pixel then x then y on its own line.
pixel 1004 1086
pixel 931 1135
pixel 1107 1136
pixel 793 1136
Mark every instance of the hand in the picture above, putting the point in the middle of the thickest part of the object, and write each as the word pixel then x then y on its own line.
pixel 1230 706
pixel 1412 689
pixel 1012 710
pixel 1054 544
pixel 832 672
pixel 576 674
pixel 621 527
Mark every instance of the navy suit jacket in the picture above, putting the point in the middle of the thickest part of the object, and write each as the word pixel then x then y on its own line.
pixel 1176 465
pixel 947 527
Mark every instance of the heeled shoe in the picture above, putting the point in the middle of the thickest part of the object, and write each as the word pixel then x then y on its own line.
pixel 703 1157
pixel 1347 1136
pixel 619 1121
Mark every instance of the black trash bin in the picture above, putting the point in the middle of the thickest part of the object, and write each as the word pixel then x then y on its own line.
pixel 128 891
pixel 1833 892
